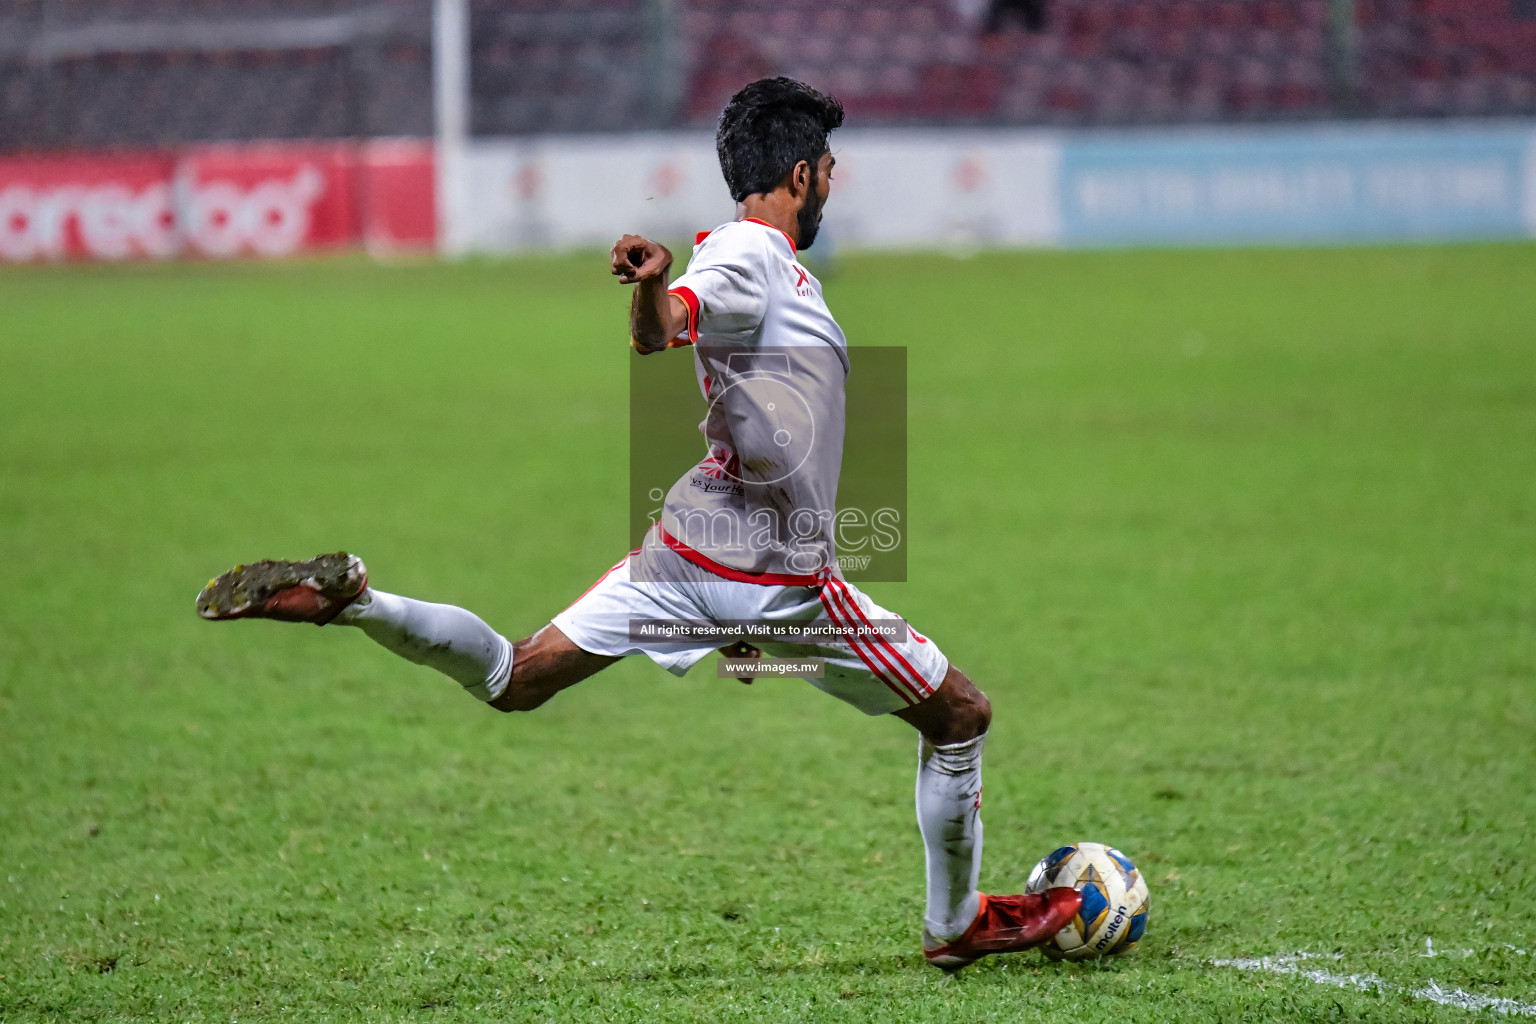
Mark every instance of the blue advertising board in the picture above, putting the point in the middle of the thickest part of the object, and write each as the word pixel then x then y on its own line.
pixel 1324 183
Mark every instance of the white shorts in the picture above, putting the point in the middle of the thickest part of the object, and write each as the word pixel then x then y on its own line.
pixel 876 674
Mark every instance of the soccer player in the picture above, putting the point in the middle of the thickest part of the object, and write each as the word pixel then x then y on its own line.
pixel 746 535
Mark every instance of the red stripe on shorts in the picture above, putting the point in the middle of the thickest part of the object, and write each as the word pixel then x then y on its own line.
pixel 868 661
pixel 830 601
pixel 914 678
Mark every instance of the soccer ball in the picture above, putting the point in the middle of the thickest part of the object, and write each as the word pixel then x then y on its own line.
pixel 1113 917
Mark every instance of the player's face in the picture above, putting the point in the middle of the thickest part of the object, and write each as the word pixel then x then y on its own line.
pixel 809 218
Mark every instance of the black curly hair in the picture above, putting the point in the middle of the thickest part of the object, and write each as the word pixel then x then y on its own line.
pixel 767 128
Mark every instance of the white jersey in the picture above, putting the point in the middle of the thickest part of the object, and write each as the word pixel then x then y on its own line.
pixel 746 536
pixel 772 363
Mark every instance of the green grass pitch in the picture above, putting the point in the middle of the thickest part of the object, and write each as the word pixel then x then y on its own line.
pixel 1241 544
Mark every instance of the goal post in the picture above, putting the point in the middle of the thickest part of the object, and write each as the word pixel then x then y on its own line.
pixel 508 78
pixel 450 108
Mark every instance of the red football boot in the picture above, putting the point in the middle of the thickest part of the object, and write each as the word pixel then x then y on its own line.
pixel 1006 924
pixel 313 591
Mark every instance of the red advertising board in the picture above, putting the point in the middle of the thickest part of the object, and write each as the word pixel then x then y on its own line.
pixel 218 202
pixel 399 189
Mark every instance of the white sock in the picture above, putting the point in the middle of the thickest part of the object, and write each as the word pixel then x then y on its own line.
pixel 949 817
pixel 455 642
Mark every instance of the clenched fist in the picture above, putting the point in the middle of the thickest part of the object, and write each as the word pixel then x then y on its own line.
pixel 636 259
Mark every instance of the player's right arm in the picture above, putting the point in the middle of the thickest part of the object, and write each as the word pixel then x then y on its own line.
pixel 655 317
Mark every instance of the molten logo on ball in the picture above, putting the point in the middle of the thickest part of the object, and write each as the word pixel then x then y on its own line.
pixel 1113 892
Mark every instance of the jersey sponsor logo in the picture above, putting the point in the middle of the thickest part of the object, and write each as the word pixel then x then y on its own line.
pixel 803 285
pixel 721 487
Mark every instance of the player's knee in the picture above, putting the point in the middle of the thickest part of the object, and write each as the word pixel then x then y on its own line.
pixel 982 712
pixel 527 689
pixel 542 666
pixel 970 710
pixel 974 716
pixel 519 696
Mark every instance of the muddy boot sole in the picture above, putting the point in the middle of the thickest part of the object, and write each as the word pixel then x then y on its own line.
pixel 313 591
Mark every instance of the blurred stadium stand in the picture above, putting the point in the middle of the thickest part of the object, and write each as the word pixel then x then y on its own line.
pixel 1124 61
pixel 94 73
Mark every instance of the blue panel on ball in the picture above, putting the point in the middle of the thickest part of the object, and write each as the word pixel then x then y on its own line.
pixel 1095 906
pixel 1128 872
pixel 1055 859
pixel 1138 928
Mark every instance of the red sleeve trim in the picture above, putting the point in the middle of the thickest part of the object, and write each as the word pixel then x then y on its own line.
pixel 692 302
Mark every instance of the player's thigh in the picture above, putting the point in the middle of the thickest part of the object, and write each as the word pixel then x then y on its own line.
pixel 877 672
pixel 543 665
pixel 598 629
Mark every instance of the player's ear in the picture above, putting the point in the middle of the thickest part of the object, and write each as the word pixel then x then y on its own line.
pixel 800 179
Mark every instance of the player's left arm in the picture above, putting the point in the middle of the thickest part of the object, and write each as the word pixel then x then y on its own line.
pixel 655 317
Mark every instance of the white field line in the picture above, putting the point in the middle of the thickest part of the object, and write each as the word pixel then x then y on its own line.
pixel 1371 983
pixel 1431 951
